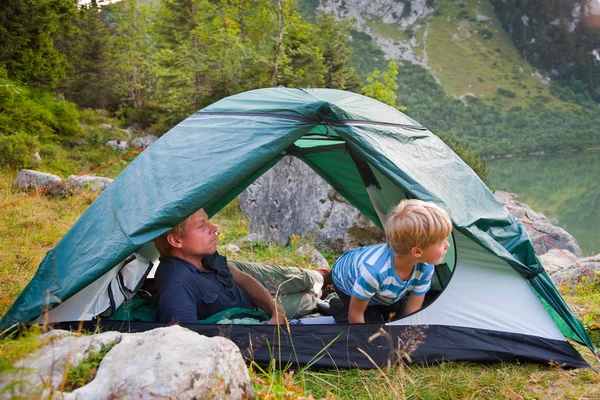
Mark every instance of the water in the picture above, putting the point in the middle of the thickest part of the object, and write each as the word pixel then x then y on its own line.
pixel 564 187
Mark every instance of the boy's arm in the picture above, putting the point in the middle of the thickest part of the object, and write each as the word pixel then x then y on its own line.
pixel 356 311
pixel 259 295
pixel 413 303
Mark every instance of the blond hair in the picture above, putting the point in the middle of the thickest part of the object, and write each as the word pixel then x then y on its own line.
pixel 162 242
pixel 416 223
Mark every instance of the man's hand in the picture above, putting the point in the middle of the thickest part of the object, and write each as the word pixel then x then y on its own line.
pixel 259 295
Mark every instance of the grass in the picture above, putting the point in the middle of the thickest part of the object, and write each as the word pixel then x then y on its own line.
pixel 32 227
pixel 494 64
pixel 86 371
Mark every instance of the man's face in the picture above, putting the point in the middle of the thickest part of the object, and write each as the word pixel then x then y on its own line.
pixel 200 236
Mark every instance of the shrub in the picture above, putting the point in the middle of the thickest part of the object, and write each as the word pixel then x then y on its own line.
pixel 507 93
pixel 463 14
pixel 486 33
pixel 16 151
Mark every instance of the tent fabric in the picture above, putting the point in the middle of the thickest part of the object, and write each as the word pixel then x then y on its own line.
pixel 336 345
pixel 209 158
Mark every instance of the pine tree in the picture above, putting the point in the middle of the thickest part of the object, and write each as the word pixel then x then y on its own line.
pixel 28 31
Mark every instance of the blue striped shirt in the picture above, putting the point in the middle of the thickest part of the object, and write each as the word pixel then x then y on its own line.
pixel 368 273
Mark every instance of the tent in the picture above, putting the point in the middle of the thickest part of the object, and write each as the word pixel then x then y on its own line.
pixel 491 298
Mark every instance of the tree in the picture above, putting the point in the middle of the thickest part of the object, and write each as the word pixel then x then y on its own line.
pixel 91 80
pixel 382 86
pixel 28 31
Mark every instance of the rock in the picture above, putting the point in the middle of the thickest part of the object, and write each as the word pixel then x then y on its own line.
pixel 232 248
pixel 315 258
pixel 171 362
pixel 292 199
pixel 545 80
pixel 88 182
pixel 363 233
pixel 47 365
pixel 36 158
pixel 555 260
pixel 143 142
pixel 536 223
pixel 29 179
pixel 588 268
pixel 253 237
pixel 481 17
pixel 107 126
pixel 117 144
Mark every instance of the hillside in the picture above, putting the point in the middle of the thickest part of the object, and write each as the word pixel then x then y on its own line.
pixel 458 54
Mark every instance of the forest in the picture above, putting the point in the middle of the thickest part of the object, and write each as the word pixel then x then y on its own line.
pixel 150 63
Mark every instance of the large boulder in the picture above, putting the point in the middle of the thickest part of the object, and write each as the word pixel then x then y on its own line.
pixel 143 142
pixel 588 267
pixel 29 179
pixel 171 362
pixel 292 199
pixel 537 225
pixel 556 260
pixel 87 182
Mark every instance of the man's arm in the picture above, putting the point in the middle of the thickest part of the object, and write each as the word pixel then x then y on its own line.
pixel 356 311
pixel 413 303
pixel 259 295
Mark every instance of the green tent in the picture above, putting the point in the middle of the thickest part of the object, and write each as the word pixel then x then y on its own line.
pixel 495 291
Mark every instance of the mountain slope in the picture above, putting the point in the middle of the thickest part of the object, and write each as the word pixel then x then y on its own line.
pixel 486 93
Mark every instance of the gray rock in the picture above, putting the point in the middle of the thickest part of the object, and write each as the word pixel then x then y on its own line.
pixel 143 142
pixel 46 367
pixel 29 179
pixel 117 144
pixel 555 260
pixel 232 248
pixel 171 362
pixel 313 255
pixel 481 17
pixel 537 225
pixel 88 182
pixel 36 158
pixel 363 233
pixel 588 267
pixel 253 237
pixel 292 199
pixel 107 126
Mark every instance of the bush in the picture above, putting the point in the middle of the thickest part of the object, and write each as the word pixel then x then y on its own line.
pixel 463 14
pixel 486 33
pixel 507 93
pixel 16 151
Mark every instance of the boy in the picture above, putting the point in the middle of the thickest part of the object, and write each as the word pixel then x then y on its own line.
pixel 376 282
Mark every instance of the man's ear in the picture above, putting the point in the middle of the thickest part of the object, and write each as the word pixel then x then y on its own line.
pixel 173 240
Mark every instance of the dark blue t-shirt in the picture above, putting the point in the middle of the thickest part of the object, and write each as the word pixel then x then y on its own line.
pixel 187 294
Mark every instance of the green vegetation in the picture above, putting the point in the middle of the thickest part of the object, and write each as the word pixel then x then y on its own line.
pixel 86 371
pixel 512 111
pixel 550 43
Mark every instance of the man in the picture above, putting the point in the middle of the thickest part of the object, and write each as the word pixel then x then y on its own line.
pixel 194 282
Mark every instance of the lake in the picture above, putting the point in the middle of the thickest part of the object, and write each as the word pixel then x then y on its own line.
pixel 565 187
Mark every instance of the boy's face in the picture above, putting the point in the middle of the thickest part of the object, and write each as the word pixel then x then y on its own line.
pixel 200 236
pixel 435 253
